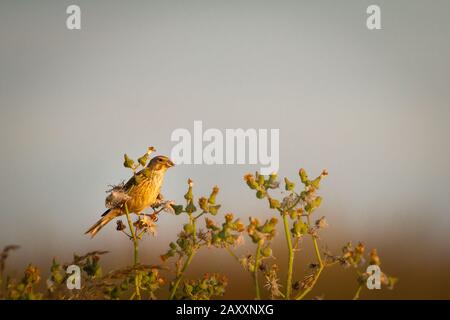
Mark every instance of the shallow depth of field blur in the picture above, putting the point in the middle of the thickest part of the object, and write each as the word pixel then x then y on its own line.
pixel 372 107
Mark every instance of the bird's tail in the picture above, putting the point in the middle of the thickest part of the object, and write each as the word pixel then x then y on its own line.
pixel 106 217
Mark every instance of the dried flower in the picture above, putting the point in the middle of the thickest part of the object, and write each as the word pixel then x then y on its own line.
pixel 272 282
pixel 120 225
pixel 321 223
pixel 146 223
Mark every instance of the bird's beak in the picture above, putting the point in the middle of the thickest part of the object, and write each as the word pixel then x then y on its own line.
pixel 170 164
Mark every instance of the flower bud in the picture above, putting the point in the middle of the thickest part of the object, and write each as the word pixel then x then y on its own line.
pixel 374 258
pixel 266 252
pixel 239 226
pixel 360 248
pixel 251 181
pixel 128 163
pixel 289 186
pixel 210 224
pixel 203 203
pixel 299 228
pixel 303 176
pixel 273 178
pixel 212 197
pixel 143 160
pixel 274 204
pixel 188 228
pixel 229 217
pixel 260 194
pixel 189 196
pixel 190 208
pixel 214 209
pixel 261 180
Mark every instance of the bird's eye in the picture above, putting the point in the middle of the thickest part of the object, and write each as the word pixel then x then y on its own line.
pixel 160 160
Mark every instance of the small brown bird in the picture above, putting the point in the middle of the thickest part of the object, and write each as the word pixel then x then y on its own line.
pixel 139 193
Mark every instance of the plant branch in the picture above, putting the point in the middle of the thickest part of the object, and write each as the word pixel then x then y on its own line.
pixel 188 260
pixel 181 274
pixel 232 253
pixel 358 292
pixel 136 252
pixel 255 271
pixel 321 266
pixel 287 233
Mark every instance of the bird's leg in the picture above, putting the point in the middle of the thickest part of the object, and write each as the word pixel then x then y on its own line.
pixel 154 215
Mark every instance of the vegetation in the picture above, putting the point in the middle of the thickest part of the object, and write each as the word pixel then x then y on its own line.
pixel 294 209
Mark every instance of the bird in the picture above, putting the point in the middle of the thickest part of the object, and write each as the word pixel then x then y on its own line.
pixel 141 191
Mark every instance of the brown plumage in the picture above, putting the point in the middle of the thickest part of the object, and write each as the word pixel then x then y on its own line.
pixel 139 193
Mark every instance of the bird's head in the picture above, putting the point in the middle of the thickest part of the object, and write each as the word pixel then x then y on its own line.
pixel 160 163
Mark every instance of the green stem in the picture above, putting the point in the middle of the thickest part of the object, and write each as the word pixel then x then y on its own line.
pixel 188 261
pixel 306 291
pixel 133 235
pixel 195 228
pixel 255 271
pixel 356 297
pixel 136 252
pixel 232 254
pixel 287 233
pixel 321 266
pixel 181 274
pixel 195 218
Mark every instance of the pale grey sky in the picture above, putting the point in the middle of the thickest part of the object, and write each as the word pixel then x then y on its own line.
pixel 370 106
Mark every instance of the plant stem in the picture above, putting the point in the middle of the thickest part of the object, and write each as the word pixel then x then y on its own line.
pixel 195 228
pixel 321 266
pixel 181 274
pixel 287 233
pixel 133 235
pixel 188 261
pixel 356 297
pixel 255 271
pixel 232 253
pixel 136 252
pixel 302 294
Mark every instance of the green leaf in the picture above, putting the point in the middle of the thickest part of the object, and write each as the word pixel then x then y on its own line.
pixel 178 209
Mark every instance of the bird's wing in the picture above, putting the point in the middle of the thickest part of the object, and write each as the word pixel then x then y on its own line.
pixel 132 182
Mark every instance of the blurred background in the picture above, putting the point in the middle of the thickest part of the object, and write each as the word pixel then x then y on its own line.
pixel 370 106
